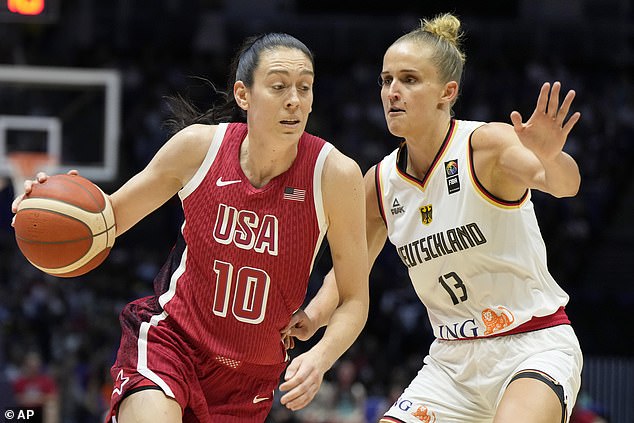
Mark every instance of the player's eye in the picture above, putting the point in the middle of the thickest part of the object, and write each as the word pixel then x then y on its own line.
pixel 384 81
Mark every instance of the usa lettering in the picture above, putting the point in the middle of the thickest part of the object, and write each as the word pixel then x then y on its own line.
pixel 246 230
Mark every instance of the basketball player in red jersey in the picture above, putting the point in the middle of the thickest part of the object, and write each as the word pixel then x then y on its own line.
pixel 258 199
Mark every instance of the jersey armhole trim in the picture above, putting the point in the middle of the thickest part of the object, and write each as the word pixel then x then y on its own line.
pixel 379 191
pixel 317 194
pixel 318 198
pixel 484 193
pixel 200 174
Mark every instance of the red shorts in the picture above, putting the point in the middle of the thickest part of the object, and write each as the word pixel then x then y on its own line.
pixel 209 388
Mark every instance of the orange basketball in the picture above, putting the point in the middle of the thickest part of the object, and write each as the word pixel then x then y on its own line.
pixel 65 226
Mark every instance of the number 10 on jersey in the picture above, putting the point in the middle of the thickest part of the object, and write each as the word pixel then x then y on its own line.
pixel 246 292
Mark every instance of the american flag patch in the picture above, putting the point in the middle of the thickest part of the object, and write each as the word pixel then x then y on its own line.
pixel 294 194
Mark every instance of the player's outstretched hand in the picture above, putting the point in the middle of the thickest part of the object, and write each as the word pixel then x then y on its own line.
pixel 302 380
pixel 545 132
pixel 40 178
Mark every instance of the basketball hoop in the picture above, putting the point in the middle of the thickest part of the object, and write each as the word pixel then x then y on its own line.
pixel 26 164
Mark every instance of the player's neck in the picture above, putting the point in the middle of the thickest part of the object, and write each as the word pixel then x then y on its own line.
pixel 262 161
pixel 423 148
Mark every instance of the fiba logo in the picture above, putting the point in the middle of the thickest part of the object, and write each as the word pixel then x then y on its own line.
pixel 451 173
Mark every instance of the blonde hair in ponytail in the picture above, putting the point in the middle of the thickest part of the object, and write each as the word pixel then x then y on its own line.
pixel 443 36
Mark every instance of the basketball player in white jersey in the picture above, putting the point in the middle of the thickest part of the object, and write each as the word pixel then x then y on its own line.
pixel 259 195
pixel 455 200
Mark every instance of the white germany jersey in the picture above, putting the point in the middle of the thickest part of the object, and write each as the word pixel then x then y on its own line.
pixel 477 263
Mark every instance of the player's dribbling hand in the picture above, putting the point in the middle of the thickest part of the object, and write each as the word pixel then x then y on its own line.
pixel 302 380
pixel 40 178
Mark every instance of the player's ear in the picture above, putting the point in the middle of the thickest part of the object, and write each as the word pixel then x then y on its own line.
pixel 240 93
pixel 450 92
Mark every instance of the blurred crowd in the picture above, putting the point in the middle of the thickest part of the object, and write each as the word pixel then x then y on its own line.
pixel 58 337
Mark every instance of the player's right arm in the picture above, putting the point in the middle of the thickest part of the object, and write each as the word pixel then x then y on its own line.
pixel 169 170
pixel 376 231
pixel 318 311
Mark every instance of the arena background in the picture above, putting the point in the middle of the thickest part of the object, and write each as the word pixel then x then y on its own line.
pixel 159 48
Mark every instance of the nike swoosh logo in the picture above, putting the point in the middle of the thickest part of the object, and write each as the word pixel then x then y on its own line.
pixel 259 399
pixel 222 183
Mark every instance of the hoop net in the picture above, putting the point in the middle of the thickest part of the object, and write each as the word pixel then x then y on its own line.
pixel 26 164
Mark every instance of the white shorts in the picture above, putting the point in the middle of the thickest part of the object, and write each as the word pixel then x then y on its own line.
pixel 463 381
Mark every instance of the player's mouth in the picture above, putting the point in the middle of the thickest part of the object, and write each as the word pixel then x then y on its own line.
pixel 395 110
pixel 290 122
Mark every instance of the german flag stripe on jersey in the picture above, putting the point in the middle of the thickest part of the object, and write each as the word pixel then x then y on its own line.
pixel 401 166
pixel 483 191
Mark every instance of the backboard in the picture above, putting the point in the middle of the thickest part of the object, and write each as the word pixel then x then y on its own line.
pixel 71 114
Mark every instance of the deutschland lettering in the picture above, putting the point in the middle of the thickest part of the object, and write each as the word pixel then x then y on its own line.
pixel 440 244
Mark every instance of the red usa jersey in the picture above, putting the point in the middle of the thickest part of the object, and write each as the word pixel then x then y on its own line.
pixel 242 266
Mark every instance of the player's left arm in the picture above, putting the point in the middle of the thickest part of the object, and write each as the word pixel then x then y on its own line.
pixel 532 151
pixel 344 204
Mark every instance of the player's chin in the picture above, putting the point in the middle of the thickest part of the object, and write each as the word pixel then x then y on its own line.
pixel 396 129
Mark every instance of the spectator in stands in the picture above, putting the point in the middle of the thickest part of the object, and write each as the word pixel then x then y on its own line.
pixel 35 389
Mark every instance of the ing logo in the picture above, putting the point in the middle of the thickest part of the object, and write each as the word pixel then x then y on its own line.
pixel 424 414
pixel 426 214
pixel 496 322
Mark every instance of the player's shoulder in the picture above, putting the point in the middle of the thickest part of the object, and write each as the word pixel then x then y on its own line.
pixel 492 134
pixel 340 165
pixel 336 162
pixel 194 140
pixel 197 133
pixel 187 149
